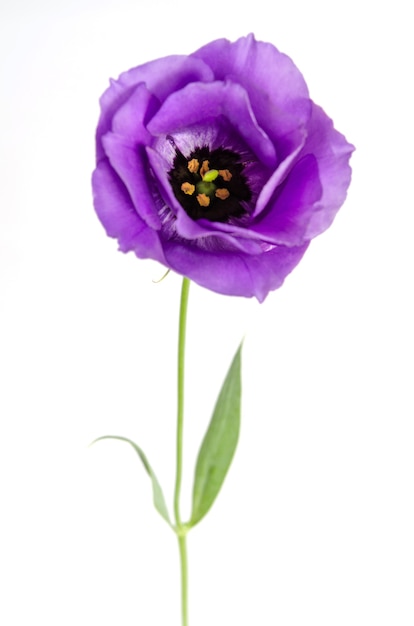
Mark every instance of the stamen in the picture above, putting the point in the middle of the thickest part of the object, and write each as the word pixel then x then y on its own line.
pixel 204 168
pixel 226 175
pixel 188 188
pixel 193 165
pixel 203 200
pixel 222 194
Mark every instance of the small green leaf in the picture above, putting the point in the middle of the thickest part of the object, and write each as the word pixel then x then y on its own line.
pixel 158 496
pixel 219 443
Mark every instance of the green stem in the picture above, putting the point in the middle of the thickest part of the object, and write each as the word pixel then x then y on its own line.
pixel 182 546
pixel 180 529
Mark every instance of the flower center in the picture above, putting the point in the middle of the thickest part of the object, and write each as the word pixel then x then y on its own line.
pixel 210 184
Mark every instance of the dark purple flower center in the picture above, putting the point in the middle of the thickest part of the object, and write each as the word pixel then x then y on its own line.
pixel 210 184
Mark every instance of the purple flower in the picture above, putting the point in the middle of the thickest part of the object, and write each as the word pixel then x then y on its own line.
pixel 218 165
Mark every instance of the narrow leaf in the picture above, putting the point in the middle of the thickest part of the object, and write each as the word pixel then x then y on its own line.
pixel 219 443
pixel 158 496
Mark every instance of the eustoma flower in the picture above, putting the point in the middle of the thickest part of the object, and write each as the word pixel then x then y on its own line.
pixel 218 165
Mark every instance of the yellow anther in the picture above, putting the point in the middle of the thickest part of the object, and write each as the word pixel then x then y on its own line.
pixel 222 194
pixel 193 165
pixel 204 168
pixel 225 174
pixel 203 200
pixel 188 188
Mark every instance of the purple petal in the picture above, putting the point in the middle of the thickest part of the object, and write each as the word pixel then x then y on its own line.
pixel 288 215
pixel 125 149
pixel 114 97
pixel 277 178
pixel 119 218
pixel 234 274
pixel 131 165
pixel 161 77
pixel 277 91
pixel 131 117
pixel 332 152
pixel 202 101
pixel 168 74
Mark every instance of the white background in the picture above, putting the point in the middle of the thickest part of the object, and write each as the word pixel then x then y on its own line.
pixel 315 522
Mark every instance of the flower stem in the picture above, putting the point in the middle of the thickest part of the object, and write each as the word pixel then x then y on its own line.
pixel 182 546
pixel 180 529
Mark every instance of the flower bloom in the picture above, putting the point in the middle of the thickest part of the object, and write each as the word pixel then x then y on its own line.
pixel 218 165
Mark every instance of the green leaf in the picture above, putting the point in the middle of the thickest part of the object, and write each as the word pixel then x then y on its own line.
pixel 219 443
pixel 158 496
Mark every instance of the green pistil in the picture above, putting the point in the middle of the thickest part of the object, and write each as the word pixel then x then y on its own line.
pixel 210 175
pixel 206 187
